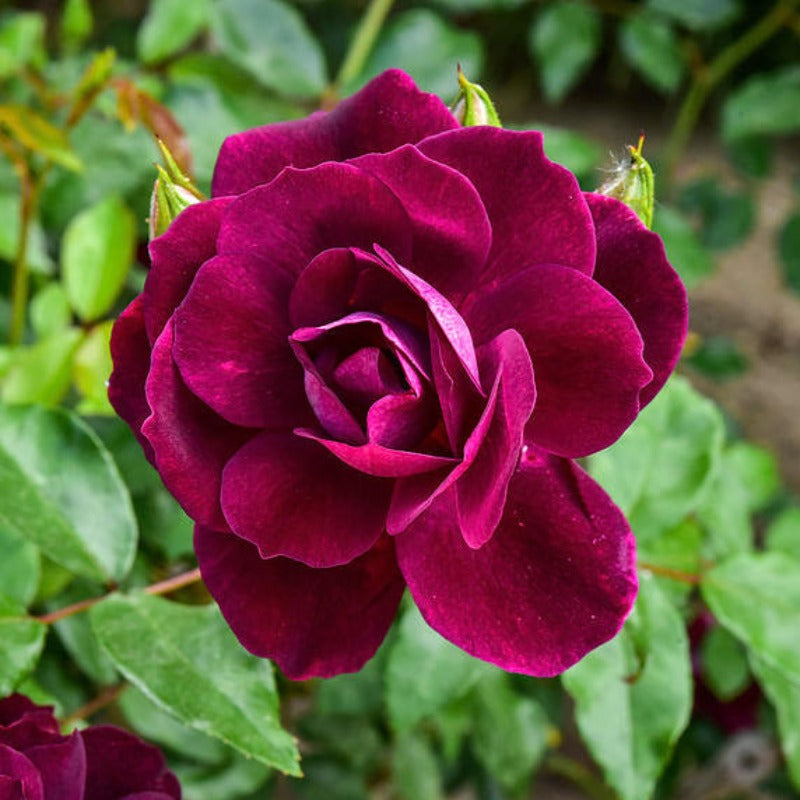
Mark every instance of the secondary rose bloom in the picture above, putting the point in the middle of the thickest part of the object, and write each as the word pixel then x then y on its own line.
pixel 367 363
pixel 102 762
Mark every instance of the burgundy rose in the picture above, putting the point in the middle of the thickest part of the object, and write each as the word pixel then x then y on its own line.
pixel 101 762
pixel 367 363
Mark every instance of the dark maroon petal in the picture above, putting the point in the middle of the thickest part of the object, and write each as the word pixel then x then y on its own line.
pixel 632 265
pixel 304 212
pixel 191 443
pixel 62 767
pixel 120 764
pixel 375 459
pixel 312 622
pixel 130 352
pixel 23 723
pixel 231 344
pixel 175 258
pixel 535 207
pixel 586 353
pixel 481 491
pixel 557 578
pixel 451 231
pixel 290 497
pixel 25 783
pixel 388 112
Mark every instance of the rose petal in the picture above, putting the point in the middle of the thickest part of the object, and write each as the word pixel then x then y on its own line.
pixel 120 764
pixel 26 783
pixel 632 265
pixel 402 421
pixel 451 231
pixel 130 353
pixel 312 622
pixel 535 207
pixel 556 580
pixel 231 344
pixel 191 443
pixel 586 354
pixel 290 497
pixel 62 767
pixel 175 257
pixel 304 212
pixel 388 112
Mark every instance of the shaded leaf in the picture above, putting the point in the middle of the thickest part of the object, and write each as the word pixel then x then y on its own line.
pixel 651 47
pixel 783 535
pixel 49 310
pixel 708 15
pixel 692 261
pixel 724 664
pixel 768 103
pixel 91 368
pixel 415 771
pixel 169 26
pixel 21 642
pixel 20 569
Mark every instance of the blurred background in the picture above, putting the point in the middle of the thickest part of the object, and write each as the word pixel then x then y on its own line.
pixel 86 85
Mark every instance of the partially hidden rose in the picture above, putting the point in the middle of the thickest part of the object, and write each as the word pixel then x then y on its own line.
pixel 368 362
pixel 101 762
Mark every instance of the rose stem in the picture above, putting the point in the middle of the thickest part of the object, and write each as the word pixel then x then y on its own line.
pixel 672 574
pixel 163 587
pixel 707 77
pixel 360 47
pixel 577 773
pixel 105 698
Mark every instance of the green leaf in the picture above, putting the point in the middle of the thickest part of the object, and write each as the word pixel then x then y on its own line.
pixel 237 776
pixel 41 373
pixel 564 39
pixel 49 310
pixel 789 249
pixel 20 569
pixel 756 596
pixel 21 42
pixel 358 694
pixel 785 698
pixel 428 48
pixel 678 548
pixel 270 40
pixel 572 150
pixel 96 255
pixel 425 672
pixel 783 535
pixel 651 47
pixel 76 23
pixel 633 695
pixel 692 261
pixel 768 103
pixel 91 369
pixel 21 642
pixel 510 736
pixel 657 472
pixel 704 16
pixel 415 771
pixel 752 155
pixel 471 6
pixel 194 668
pixel 726 218
pixel 79 516
pixel 36 133
pixel 719 358
pixel 724 664
pixel 169 26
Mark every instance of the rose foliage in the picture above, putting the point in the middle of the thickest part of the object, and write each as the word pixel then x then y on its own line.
pixel 101 762
pixel 368 362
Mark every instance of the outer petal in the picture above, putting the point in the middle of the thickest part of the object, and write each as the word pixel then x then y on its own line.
pixel 62 767
pixel 556 580
pixel 191 443
pixel 120 764
pixel 586 353
pixel 289 497
pixel 536 209
pixel 24 774
pixel 303 212
pixel 130 352
pixel 313 622
pixel 231 344
pixel 175 258
pixel 388 112
pixel 451 231
pixel 632 265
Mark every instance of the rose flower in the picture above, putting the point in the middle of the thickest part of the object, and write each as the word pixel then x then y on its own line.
pixel 101 762
pixel 367 363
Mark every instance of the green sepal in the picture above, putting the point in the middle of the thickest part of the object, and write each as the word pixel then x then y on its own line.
pixel 633 184
pixel 472 105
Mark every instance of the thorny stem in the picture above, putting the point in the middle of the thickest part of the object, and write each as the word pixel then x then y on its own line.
pixel 360 47
pixel 105 698
pixel 162 587
pixel 673 574
pixel 707 78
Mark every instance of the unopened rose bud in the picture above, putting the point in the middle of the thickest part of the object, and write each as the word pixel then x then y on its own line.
pixel 172 192
pixel 472 106
pixel 632 183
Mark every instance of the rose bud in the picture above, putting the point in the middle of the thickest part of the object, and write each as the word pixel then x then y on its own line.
pixel 173 191
pixel 100 762
pixel 472 105
pixel 632 183
pixel 369 362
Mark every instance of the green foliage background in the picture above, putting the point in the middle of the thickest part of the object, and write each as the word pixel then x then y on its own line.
pixel 84 88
